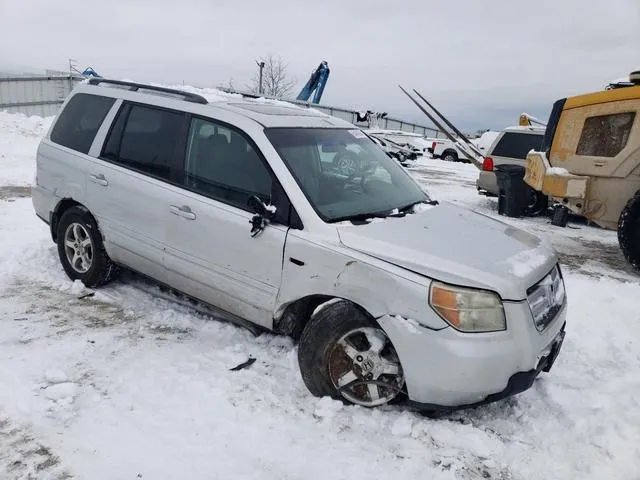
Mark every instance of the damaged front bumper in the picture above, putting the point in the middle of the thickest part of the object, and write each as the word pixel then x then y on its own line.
pixel 448 370
pixel 518 382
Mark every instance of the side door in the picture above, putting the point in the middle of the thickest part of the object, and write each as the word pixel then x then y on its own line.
pixel 127 184
pixel 211 254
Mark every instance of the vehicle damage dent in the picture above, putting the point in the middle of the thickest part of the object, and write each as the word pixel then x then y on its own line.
pixel 343 273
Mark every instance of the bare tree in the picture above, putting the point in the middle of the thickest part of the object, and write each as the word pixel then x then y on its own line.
pixel 275 78
pixel 230 85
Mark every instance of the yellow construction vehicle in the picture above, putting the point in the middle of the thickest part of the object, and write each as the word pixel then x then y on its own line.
pixel 589 162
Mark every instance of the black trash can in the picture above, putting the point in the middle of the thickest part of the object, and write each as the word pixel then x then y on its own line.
pixel 514 193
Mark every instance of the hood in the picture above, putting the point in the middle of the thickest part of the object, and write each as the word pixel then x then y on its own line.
pixel 457 246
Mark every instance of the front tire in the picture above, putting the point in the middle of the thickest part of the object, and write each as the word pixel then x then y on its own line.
pixel 450 156
pixel 81 250
pixel 344 354
pixel 629 231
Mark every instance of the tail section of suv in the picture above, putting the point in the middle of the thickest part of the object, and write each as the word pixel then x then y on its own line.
pixel 510 147
pixel 241 205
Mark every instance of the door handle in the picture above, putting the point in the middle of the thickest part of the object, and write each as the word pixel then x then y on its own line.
pixel 99 179
pixel 183 211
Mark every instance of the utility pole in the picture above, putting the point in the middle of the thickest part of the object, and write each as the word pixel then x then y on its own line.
pixel 261 67
pixel 72 70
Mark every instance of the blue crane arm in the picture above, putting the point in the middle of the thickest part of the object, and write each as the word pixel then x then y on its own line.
pixel 316 83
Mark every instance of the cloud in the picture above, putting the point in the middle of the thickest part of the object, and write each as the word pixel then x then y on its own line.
pixel 481 62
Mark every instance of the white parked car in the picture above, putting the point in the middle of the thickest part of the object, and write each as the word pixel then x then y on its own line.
pixel 413 141
pixel 239 205
pixel 448 151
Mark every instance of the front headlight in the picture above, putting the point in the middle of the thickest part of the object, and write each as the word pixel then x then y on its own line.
pixel 468 309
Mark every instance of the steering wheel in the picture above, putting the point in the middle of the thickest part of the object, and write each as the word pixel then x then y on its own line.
pixel 347 163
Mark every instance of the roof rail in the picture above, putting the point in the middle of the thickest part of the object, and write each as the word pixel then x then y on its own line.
pixel 189 97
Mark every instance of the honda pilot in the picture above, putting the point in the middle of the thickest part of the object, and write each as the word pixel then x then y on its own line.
pixel 391 295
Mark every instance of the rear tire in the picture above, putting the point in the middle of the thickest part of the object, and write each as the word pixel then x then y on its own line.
pixel 81 250
pixel 341 345
pixel 450 156
pixel 629 231
pixel 537 204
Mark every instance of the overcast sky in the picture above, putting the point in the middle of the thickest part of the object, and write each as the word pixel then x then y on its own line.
pixel 482 62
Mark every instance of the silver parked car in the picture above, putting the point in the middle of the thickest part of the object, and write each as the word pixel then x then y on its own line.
pixel 239 204
pixel 510 147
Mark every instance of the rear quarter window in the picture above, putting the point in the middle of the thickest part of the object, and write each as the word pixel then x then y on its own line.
pixel 605 135
pixel 80 120
pixel 517 145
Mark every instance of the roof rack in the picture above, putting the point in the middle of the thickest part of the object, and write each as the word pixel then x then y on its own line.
pixel 134 87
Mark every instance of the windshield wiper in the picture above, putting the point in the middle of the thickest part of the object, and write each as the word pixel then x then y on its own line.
pixel 362 217
pixel 395 212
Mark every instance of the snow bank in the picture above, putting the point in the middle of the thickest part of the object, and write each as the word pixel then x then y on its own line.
pixel 19 138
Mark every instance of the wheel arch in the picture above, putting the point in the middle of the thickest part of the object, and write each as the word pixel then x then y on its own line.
pixel 296 314
pixel 62 206
pixel 451 151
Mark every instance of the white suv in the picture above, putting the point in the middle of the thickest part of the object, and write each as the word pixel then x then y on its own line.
pixel 510 147
pixel 238 204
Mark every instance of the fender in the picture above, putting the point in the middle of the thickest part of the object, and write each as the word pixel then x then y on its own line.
pixel 313 269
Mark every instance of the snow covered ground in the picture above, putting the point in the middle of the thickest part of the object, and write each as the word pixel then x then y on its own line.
pixel 126 385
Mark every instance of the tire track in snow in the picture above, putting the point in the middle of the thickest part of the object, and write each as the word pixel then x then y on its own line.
pixel 134 319
pixel 22 456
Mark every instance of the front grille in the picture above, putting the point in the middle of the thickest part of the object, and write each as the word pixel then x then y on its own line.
pixel 546 298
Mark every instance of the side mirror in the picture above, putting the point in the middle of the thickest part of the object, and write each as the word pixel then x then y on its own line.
pixel 260 208
pixel 263 213
pixel 257 205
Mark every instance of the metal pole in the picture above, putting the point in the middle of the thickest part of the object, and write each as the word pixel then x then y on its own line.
pixel 261 67
pixel 71 66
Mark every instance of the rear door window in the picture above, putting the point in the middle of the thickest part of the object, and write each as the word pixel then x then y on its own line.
pixel 605 135
pixel 147 139
pixel 80 120
pixel 517 145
